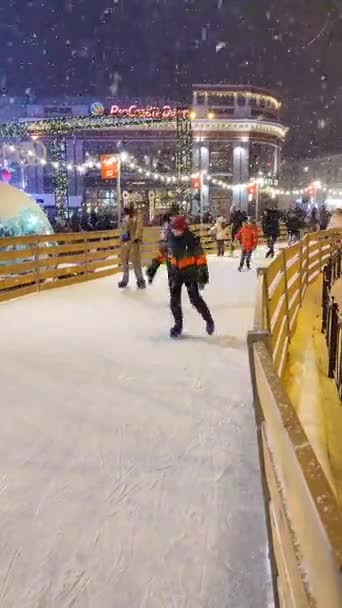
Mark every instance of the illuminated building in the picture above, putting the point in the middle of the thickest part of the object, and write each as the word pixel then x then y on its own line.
pixel 236 135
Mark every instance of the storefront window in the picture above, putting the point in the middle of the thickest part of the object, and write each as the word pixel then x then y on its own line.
pixel 221 157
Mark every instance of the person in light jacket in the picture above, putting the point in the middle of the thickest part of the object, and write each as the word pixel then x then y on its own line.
pixel 132 229
pixel 220 234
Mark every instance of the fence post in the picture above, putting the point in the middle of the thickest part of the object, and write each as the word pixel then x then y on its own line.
pixel 301 271
pixel 307 258
pixel 252 338
pixel 325 295
pixel 37 262
pixel 333 339
pixel 283 254
pixel 266 300
pixel 86 254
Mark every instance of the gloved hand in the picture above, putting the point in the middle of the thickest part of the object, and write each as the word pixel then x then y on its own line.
pixel 201 286
pixel 203 275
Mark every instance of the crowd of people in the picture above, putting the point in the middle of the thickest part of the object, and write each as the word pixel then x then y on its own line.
pixel 182 251
pixel 296 220
pixel 85 222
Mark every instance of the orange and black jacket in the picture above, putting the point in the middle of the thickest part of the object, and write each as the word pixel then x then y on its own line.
pixel 186 261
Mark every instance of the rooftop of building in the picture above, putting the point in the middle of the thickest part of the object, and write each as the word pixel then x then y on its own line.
pixel 233 88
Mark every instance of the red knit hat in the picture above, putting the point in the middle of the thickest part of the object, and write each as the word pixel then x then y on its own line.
pixel 179 223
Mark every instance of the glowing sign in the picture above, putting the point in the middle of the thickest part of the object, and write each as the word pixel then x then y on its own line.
pixel 110 166
pixel 166 112
pixel 97 109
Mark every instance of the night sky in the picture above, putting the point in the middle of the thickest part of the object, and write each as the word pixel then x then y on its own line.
pixel 144 48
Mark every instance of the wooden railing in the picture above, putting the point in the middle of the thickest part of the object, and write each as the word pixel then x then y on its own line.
pixel 303 517
pixel 37 263
pixel 284 283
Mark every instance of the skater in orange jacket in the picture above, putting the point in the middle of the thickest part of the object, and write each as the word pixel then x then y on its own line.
pixel 249 239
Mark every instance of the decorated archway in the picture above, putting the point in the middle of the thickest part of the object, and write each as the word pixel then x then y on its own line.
pixel 56 130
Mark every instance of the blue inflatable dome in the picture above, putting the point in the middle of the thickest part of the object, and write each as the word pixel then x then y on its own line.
pixel 20 215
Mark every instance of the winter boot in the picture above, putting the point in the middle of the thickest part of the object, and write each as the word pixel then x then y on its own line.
pixel 210 328
pixel 149 275
pixel 141 284
pixel 176 330
pixel 122 284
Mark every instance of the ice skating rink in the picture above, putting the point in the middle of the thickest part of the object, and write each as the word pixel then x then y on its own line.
pixel 128 462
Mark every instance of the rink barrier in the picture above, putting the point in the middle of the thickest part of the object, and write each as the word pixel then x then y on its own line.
pixel 304 520
pixel 38 263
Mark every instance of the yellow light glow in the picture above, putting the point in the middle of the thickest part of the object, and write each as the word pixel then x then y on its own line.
pixel 192 115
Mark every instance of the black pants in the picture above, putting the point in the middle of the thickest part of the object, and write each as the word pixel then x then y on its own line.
pixel 195 299
pixel 220 247
pixel 270 244
pixel 245 257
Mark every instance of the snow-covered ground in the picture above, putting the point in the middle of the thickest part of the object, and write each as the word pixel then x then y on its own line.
pixel 128 462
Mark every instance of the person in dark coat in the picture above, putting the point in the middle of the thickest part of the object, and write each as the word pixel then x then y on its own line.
pixel 75 222
pixel 324 217
pixel 270 225
pixel 237 218
pixel 186 265
pixel 294 226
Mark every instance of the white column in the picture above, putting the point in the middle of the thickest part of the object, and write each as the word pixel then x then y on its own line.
pixel 276 161
pixel 240 174
pixel 195 156
pixel 200 165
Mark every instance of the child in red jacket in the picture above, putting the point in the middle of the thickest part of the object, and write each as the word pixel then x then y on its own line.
pixel 249 239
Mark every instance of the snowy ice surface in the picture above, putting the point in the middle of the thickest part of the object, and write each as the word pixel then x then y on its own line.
pixel 128 462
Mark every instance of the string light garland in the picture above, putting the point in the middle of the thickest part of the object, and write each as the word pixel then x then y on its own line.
pixel 69 126
pixel 131 162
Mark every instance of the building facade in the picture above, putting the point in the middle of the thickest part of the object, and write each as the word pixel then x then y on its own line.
pixel 236 136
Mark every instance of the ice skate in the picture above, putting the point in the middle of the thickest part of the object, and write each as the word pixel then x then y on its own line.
pixel 176 330
pixel 141 284
pixel 122 284
pixel 210 327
